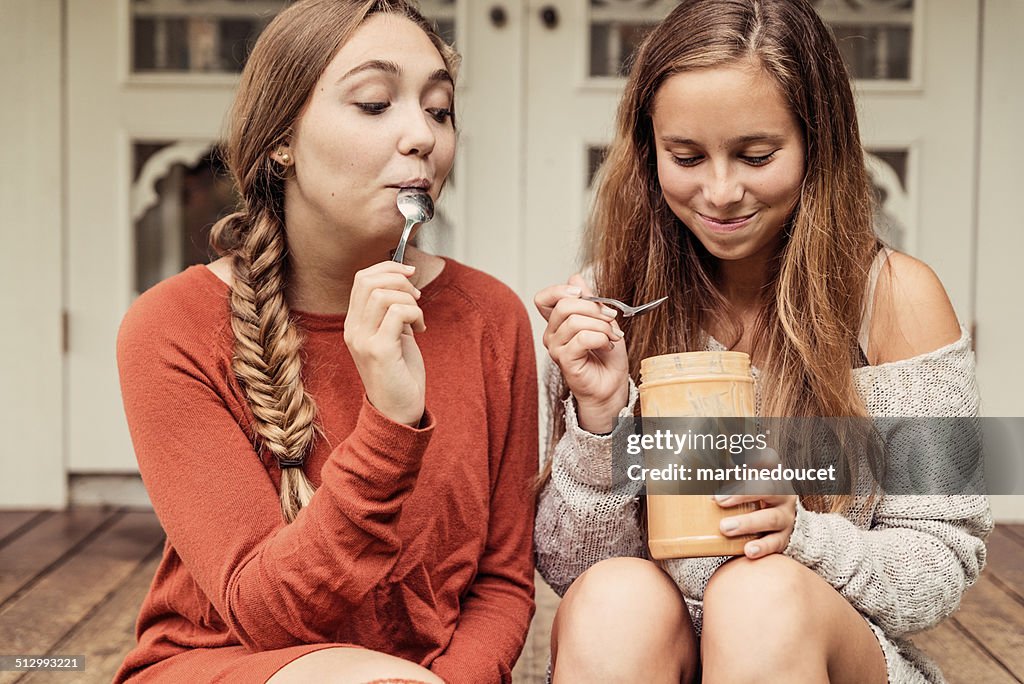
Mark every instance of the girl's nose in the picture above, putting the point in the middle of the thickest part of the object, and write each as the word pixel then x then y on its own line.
pixel 722 188
pixel 417 136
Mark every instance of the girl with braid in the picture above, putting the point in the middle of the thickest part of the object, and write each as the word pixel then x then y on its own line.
pixel 736 185
pixel 340 448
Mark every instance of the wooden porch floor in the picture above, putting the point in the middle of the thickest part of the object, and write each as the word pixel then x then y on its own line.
pixel 71 584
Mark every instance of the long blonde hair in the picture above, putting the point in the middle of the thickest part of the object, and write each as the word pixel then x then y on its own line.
pixel 279 77
pixel 810 315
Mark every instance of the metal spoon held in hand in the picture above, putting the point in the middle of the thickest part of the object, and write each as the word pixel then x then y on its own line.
pixel 626 309
pixel 417 207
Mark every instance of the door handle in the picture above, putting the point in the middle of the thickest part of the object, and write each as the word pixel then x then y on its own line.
pixel 549 16
pixel 499 17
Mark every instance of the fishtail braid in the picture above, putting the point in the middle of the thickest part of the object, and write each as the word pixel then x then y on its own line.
pixel 267 358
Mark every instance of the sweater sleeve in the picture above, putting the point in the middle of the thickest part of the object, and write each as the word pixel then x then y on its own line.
pixel 910 569
pixel 496 612
pixel 584 514
pixel 275 585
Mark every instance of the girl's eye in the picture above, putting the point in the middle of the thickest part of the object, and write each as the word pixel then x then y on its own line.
pixel 440 114
pixel 758 161
pixel 686 161
pixel 373 107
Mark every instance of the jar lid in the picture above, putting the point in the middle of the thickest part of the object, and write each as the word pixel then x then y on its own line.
pixel 689 364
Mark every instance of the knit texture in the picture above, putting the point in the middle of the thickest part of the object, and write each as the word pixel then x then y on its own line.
pixel 417 542
pixel 902 561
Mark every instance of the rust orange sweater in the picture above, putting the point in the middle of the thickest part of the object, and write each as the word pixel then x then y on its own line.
pixel 418 542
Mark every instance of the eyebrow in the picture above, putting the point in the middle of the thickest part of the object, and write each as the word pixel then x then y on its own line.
pixel 732 142
pixel 438 76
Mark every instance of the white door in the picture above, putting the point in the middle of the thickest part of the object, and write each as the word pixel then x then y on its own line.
pixel 910 116
pixel 136 117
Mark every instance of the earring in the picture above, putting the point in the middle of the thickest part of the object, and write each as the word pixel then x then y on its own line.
pixel 284 157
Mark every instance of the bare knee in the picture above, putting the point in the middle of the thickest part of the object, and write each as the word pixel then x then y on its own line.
pixel 764 609
pixel 343 665
pixel 622 617
pixel 770 583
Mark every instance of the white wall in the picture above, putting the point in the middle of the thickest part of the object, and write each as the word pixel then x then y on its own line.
pixel 31 195
pixel 1000 281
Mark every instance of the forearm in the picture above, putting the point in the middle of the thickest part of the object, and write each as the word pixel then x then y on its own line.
pixel 492 629
pixel 910 570
pixel 584 514
pixel 274 584
pixel 346 547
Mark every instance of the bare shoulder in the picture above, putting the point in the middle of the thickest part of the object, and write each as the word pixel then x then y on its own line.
pixel 912 312
pixel 222 269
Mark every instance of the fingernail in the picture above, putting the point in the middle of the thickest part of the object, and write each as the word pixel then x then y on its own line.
pixel 618 333
pixel 608 311
pixel 722 498
pixel 573 291
pixel 729 525
pixel 753 549
pixel 408 268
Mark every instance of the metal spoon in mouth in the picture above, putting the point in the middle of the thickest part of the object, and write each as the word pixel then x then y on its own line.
pixel 417 207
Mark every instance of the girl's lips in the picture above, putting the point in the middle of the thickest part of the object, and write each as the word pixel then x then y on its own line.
pixel 725 226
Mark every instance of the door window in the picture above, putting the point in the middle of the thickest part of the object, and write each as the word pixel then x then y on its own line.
pixel 180 189
pixel 195 36
pixel 876 37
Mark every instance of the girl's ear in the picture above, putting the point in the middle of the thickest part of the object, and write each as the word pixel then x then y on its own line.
pixel 282 155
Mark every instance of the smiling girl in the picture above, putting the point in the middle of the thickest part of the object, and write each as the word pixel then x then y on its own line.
pixel 736 185
pixel 340 448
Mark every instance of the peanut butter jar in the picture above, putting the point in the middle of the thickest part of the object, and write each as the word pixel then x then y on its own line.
pixel 690 385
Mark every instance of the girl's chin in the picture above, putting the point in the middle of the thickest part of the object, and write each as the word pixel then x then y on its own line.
pixel 739 249
pixel 728 247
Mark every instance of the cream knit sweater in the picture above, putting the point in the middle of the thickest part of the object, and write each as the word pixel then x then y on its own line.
pixel 902 561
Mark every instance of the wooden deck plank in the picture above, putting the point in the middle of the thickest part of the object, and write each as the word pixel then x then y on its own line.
pixel 532 666
pixel 106 636
pixel 30 554
pixel 995 618
pixel 11 521
pixel 40 617
pixel 962 661
pixel 1013 530
pixel 1006 560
